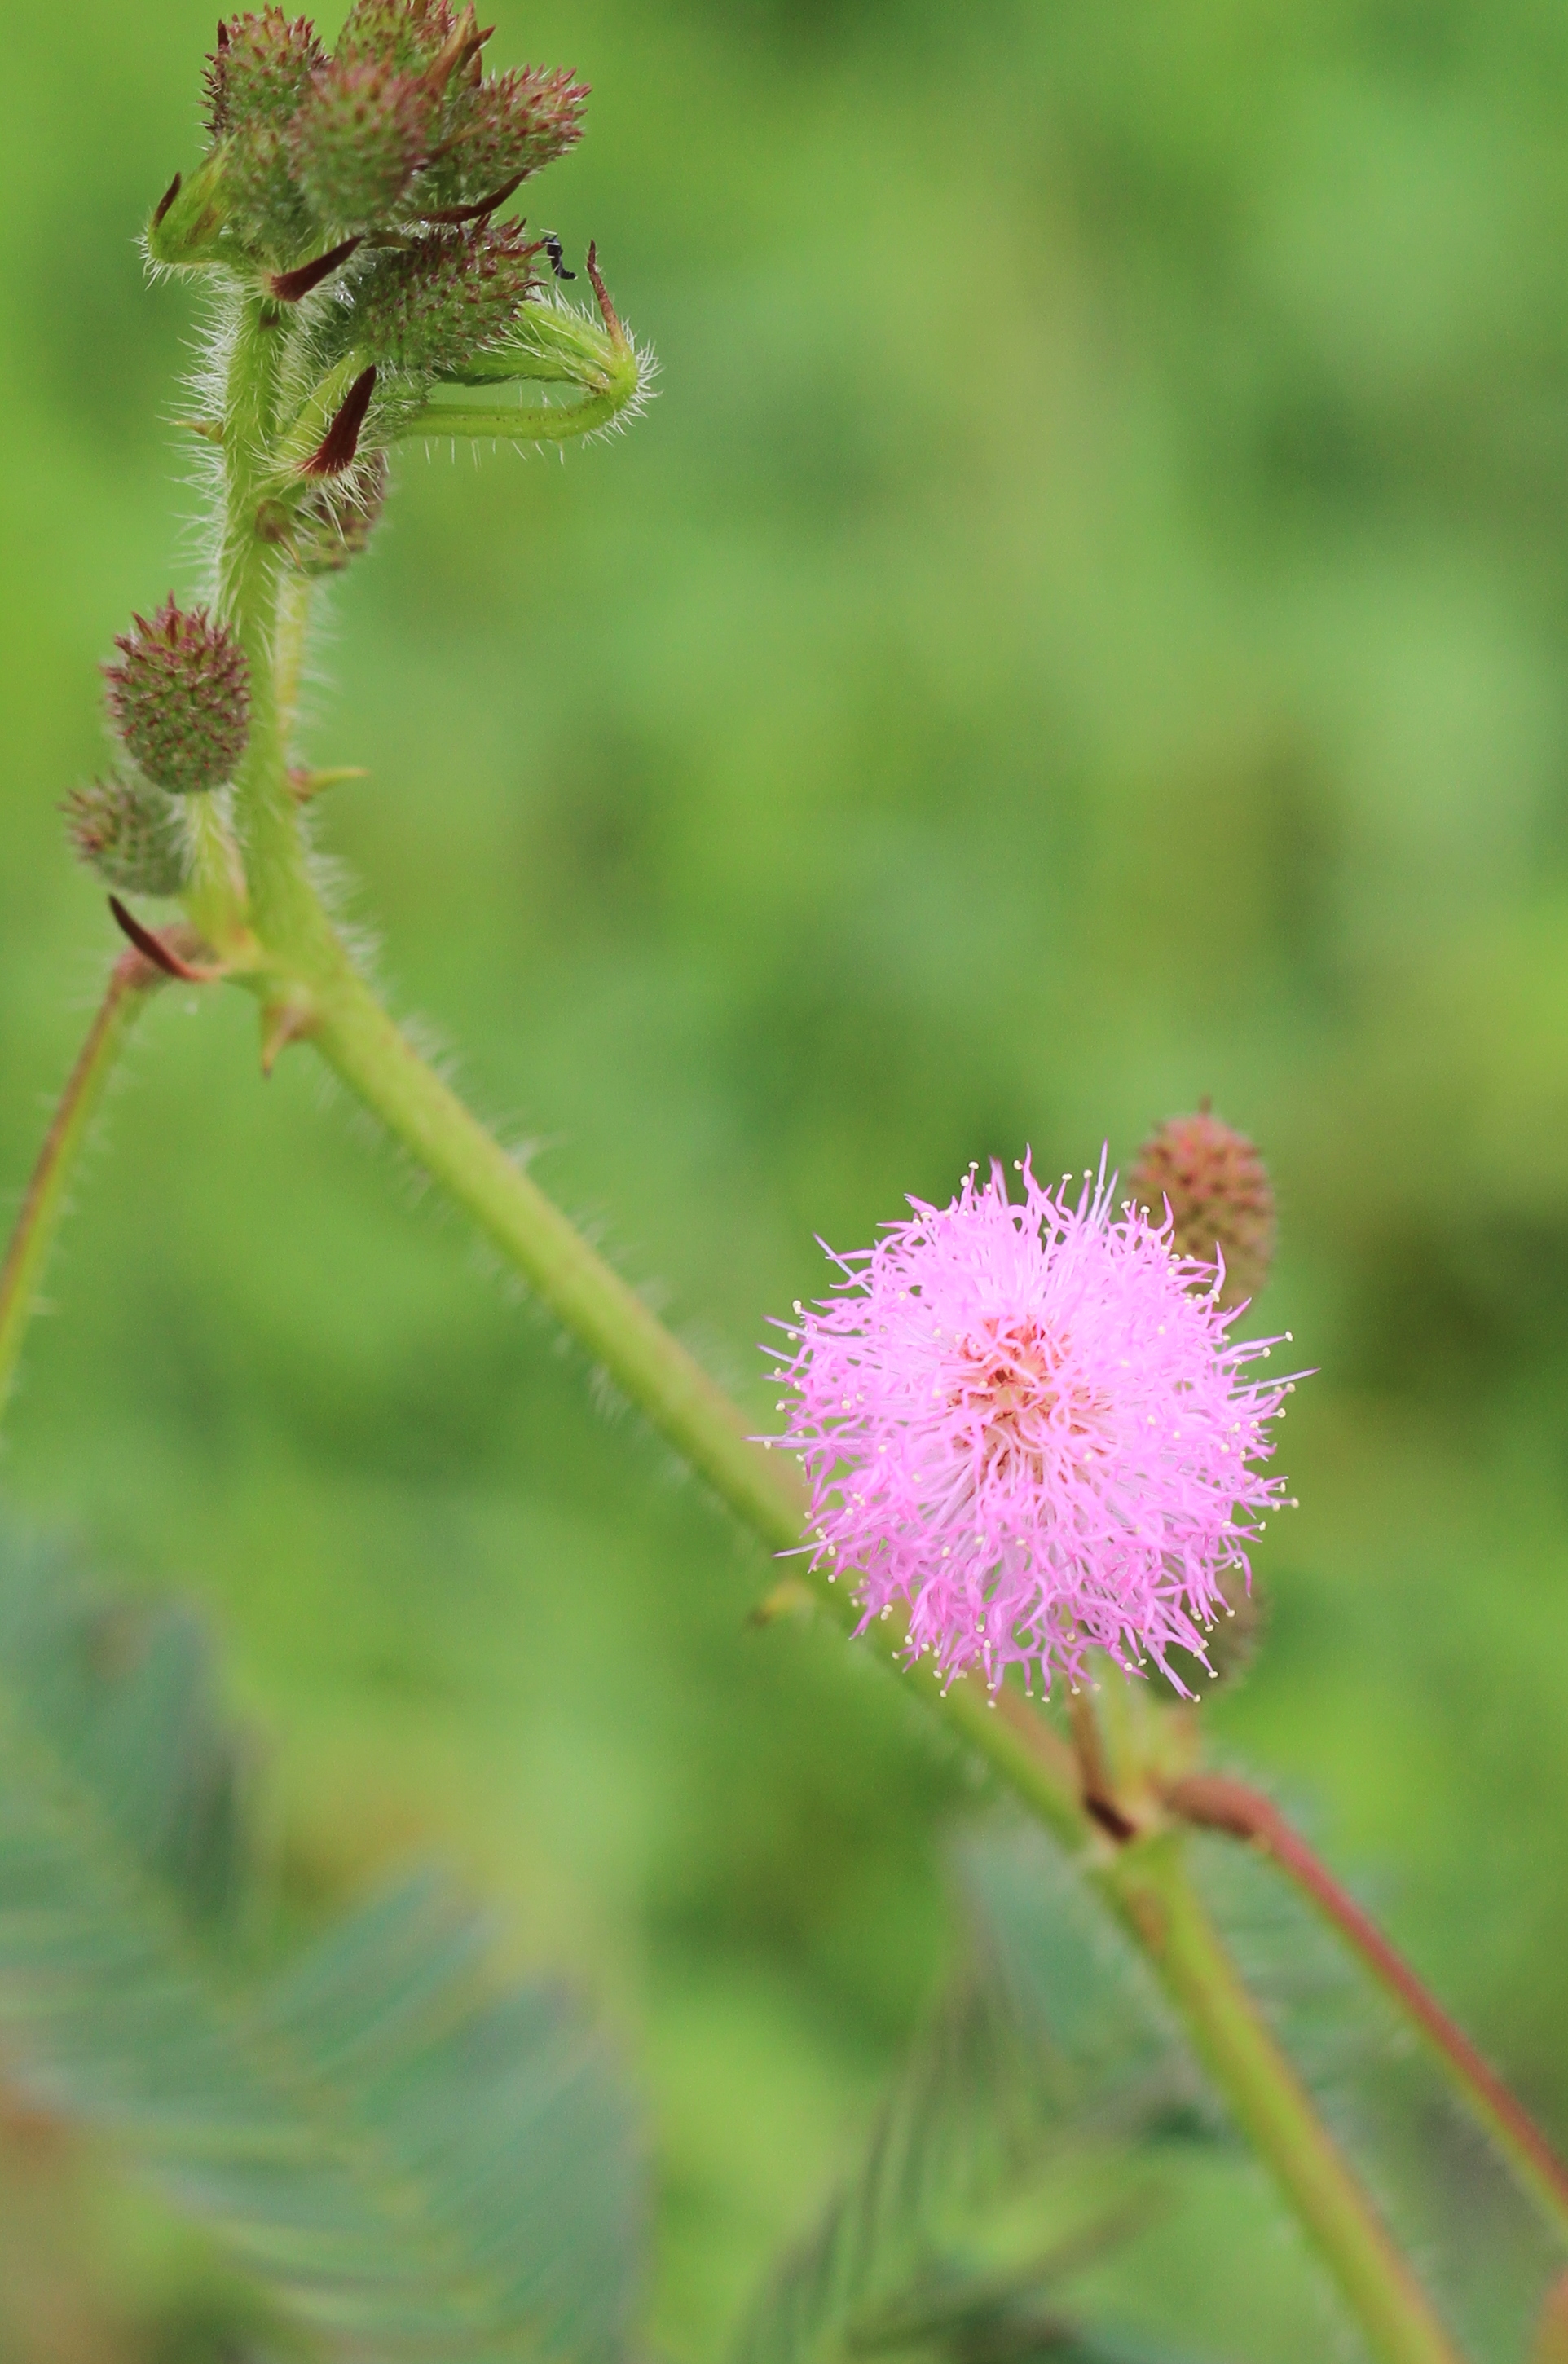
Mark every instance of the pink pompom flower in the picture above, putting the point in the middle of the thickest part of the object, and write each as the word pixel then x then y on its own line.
pixel 1025 1420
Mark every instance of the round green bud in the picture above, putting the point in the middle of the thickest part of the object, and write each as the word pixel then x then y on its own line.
pixel 180 699
pixel 410 35
pixel 358 140
pixel 506 128
pixel 436 304
pixel 130 833
pixel 260 72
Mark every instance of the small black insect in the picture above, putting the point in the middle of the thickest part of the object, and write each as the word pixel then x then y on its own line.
pixel 552 249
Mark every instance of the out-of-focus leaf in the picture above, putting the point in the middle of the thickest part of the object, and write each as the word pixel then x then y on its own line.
pixel 1051 2039
pixel 409 2159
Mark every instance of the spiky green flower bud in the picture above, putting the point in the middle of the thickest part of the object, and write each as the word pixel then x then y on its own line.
pixel 509 127
pixel 130 833
pixel 180 698
pixel 410 35
pixel 359 139
pixel 436 304
pixel 260 71
pixel 334 525
pixel 1221 1202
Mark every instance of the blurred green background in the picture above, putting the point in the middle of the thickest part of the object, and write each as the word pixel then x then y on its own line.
pixel 1084 625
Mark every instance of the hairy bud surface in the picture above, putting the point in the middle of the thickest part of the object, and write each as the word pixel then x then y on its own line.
pixel 180 699
pixel 130 833
pixel 260 72
pixel 438 303
pixel 410 35
pixel 335 524
pixel 507 129
pixel 358 141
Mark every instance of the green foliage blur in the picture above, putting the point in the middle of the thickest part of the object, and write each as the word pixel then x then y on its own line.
pixel 1083 625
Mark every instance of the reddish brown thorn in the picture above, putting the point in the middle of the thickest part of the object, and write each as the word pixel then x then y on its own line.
pixel 154 948
pixel 1111 1820
pixel 281 1023
pixel 337 448
pixel 611 321
pixel 288 286
pixel 485 205
pixel 167 199
pixel 223 32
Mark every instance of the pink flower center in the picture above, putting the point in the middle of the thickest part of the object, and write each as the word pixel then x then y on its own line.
pixel 1010 1381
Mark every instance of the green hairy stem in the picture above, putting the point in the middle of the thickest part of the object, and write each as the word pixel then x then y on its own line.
pixel 1148 1887
pixel 281 945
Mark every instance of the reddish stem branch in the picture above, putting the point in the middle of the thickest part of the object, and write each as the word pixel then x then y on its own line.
pixel 132 978
pixel 1216 1803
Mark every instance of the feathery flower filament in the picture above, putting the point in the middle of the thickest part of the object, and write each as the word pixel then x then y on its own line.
pixel 1025 1424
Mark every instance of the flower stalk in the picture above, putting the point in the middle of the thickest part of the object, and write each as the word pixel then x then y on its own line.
pixel 1148 1887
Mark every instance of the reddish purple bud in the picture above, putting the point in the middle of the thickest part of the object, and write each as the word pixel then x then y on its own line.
pixel 259 71
pixel 337 448
pixel 130 833
pixel 435 305
pixel 359 139
pixel 180 699
pixel 290 287
pixel 1221 1200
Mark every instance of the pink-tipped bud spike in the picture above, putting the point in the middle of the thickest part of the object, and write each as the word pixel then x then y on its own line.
pixel 1222 1203
pixel 180 698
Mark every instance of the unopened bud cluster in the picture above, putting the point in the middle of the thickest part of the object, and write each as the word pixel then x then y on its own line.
pixel 1220 1198
pixel 398 126
pixel 363 185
